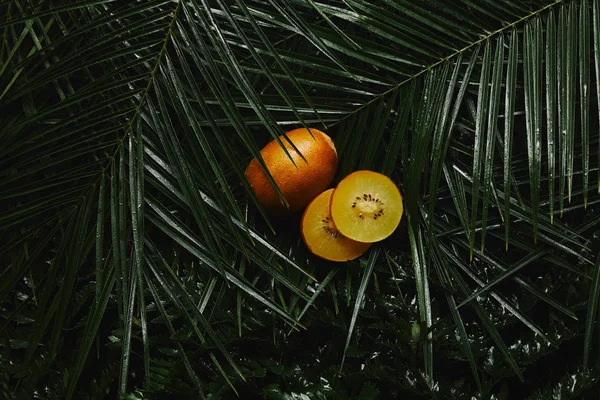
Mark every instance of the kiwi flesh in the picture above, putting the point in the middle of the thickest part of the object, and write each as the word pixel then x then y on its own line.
pixel 322 237
pixel 366 206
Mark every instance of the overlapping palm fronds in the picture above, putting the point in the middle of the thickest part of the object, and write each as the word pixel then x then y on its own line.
pixel 127 126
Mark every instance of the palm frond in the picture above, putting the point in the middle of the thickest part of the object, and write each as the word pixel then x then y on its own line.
pixel 126 128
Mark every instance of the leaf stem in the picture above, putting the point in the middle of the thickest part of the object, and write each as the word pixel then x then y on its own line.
pixel 451 56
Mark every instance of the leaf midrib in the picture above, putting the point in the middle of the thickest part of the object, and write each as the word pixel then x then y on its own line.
pixel 450 57
pixel 138 109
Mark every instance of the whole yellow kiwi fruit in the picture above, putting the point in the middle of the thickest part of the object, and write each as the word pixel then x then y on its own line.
pixel 299 183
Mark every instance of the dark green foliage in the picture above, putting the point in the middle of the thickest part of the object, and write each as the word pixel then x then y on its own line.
pixel 135 261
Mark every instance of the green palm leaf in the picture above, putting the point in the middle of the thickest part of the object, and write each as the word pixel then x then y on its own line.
pixel 126 129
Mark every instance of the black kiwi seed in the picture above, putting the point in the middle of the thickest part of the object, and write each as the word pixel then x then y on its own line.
pixel 332 232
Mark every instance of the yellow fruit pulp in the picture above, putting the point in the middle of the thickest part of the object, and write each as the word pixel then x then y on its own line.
pixel 366 206
pixel 322 238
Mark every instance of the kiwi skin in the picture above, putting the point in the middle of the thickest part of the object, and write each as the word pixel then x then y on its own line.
pixel 300 181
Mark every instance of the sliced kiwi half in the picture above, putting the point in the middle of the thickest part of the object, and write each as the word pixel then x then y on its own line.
pixel 366 206
pixel 321 236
